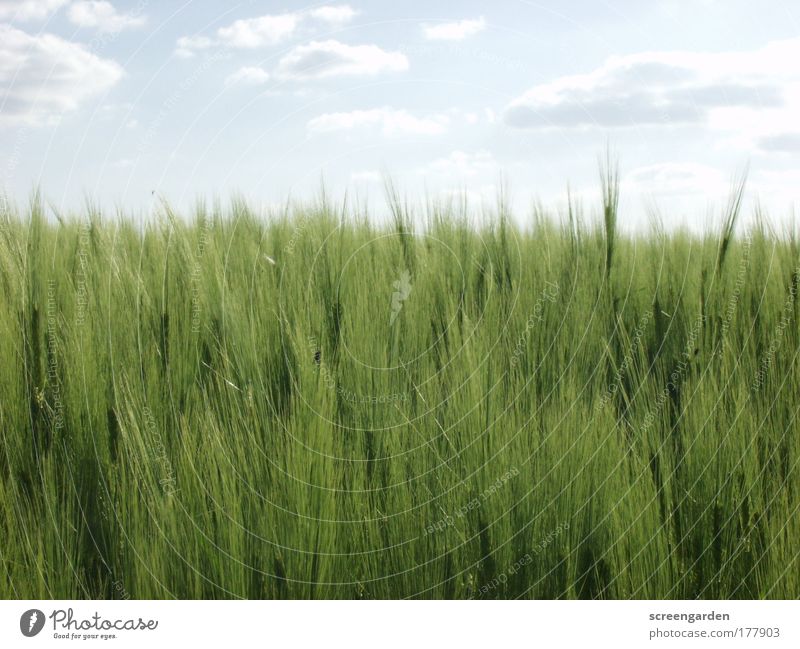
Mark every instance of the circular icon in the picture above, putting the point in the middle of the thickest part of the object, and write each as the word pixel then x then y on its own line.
pixel 31 622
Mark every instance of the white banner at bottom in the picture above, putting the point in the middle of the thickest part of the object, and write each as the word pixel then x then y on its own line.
pixel 372 624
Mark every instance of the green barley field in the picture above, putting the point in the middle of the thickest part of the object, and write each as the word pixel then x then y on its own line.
pixel 451 403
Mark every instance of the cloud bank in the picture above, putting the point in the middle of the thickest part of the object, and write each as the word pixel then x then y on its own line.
pixel 44 76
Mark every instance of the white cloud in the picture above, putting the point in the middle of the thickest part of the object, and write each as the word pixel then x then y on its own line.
pixel 187 46
pixel 248 76
pixel 386 121
pixel 460 164
pixel 267 30
pixel 455 31
pixel 101 15
pixel 43 76
pixel 332 58
pixel 259 32
pixel 663 88
pixel 29 10
pixel 334 14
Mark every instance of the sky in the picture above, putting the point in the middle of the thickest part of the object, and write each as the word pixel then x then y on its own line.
pixel 118 102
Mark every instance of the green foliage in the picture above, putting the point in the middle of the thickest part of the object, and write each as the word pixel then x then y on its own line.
pixel 313 406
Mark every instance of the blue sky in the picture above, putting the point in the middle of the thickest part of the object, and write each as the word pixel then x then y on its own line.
pixel 112 100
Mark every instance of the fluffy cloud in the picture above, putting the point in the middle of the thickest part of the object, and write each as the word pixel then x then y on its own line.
pixel 334 15
pixel 26 10
pixel 44 76
pixel 248 76
pixel 455 31
pixel 267 30
pixel 101 15
pixel 386 121
pixel 259 32
pixel 661 88
pixel 332 58
pixel 187 46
